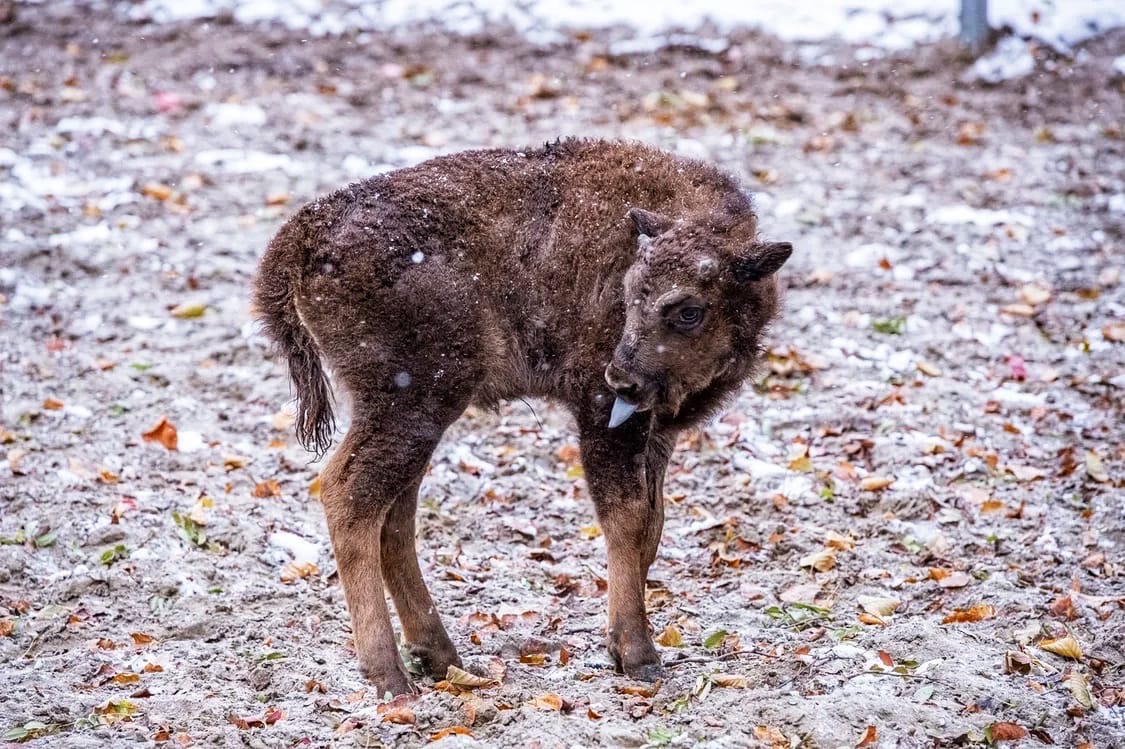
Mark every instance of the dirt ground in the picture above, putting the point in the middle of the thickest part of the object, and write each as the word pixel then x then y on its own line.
pixel 954 322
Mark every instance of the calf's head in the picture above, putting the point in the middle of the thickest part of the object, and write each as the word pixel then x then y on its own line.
pixel 696 300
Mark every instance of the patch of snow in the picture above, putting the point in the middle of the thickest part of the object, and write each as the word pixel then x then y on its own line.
pixel 297 548
pixel 964 214
pixel 1010 60
pixel 881 24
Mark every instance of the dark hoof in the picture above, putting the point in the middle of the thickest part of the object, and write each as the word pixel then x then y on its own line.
pixel 394 680
pixel 646 672
pixel 435 661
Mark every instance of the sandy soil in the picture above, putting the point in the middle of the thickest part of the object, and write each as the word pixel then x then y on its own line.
pixel 954 322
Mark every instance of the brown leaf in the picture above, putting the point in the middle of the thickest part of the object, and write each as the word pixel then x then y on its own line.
pixel 671 637
pixel 126 679
pixel 886 659
pixel 459 677
pixel 53 404
pixel 771 736
pixel 157 191
pixel 1006 732
pixel 870 736
pixel 164 433
pixel 971 614
pixel 139 638
pixel 1114 331
pixel 7 626
pixel 638 690
pixel 731 681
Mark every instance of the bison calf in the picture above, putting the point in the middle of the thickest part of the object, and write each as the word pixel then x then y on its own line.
pixel 628 284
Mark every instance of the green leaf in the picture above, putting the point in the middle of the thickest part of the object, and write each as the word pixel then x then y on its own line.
pixel 924 692
pixel 114 554
pixel 715 639
pixel 47 539
pixel 661 736
pixel 890 326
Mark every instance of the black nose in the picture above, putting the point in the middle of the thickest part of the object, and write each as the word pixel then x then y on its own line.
pixel 626 385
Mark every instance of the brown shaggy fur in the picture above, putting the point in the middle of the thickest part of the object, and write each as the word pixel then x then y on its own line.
pixel 583 271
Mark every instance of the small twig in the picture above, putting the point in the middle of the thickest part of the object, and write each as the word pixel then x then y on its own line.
pixel 723 657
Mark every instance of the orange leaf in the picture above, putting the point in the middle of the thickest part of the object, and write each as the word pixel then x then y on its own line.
pixel 875 483
pixel 402 716
pixel 888 661
pixel 126 679
pixel 53 404
pixel 164 433
pixel 869 737
pixel 637 690
pixel 548 701
pixel 971 614
pixel 6 627
pixel 140 638
pixel 450 731
pixel 267 488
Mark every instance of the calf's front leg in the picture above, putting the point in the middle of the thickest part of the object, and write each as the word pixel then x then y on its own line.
pixel 625 473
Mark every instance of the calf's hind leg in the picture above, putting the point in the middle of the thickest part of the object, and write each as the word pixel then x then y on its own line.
pixel 421 626
pixel 376 468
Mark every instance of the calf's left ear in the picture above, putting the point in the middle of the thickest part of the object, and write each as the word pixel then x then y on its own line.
pixel 762 261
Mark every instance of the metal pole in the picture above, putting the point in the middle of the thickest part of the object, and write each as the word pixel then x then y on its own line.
pixel 974 24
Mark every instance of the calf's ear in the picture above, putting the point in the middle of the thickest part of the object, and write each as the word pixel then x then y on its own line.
pixel 649 223
pixel 762 261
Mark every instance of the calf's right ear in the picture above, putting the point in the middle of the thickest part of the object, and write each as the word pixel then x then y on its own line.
pixel 762 261
pixel 649 223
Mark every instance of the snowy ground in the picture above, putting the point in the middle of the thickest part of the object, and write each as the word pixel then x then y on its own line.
pixel 954 321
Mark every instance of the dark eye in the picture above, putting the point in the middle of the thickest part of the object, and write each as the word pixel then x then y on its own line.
pixel 689 317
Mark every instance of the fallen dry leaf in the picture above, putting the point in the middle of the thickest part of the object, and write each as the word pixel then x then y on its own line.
pixel 459 677
pixel 1034 294
pixel 293 572
pixel 870 736
pixel 1006 732
pixel 139 638
pixel 1114 331
pixel 878 606
pixel 188 310
pixel 670 637
pixel 450 731
pixel 164 433
pixel 771 736
pixel 267 488
pixel 7 626
pixel 400 715
pixel 731 681
pixel 548 701
pixel 53 404
pixel 821 561
pixel 1079 686
pixel 1067 647
pixel 1095 469
pixel 834 540
pixel 972 614
pixel 875 483
pixel 956 579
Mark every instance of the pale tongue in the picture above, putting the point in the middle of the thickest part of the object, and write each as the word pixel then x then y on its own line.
pixel 622 410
